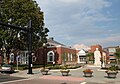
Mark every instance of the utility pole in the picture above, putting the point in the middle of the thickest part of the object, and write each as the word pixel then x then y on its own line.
pixel 29 31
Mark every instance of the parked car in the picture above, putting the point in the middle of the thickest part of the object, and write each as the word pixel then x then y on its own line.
pixel 6 68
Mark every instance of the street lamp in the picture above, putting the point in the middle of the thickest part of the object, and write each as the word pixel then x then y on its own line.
pixel 30 65
pixel 44 54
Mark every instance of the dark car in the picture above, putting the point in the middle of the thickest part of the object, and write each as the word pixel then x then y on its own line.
pixel 6 68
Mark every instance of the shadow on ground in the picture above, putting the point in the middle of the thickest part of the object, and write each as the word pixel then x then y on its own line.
pixel 7 77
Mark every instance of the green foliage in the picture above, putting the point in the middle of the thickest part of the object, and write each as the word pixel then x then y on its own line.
pixel 64 67
pixel 21 67
pixel 90 56
pixel 72 67
pixel 19 12
pixel 64 58
pixel 117 54
pixel 24 67
pixel 55 67
pixel 64 71
pixel 113 68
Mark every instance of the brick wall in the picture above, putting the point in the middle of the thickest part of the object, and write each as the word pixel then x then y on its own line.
pixel 58 51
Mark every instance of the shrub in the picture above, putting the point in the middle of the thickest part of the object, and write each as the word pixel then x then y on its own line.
pixel 112 69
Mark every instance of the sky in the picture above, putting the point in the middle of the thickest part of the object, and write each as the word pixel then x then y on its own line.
pixel 83 22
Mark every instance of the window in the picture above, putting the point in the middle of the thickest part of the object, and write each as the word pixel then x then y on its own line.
pixel 11 58
pixel 65 57
pixel 82 59
pixel 50 56
pixel 112 50
pixel 24 57
pixel 111 55
pixel 19 59
pixel 68 57
pixel 71 57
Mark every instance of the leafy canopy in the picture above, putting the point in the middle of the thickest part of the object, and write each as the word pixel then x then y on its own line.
pixel 19 12
pixel 117 54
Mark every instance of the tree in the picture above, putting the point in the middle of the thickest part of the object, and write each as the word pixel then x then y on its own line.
pixel 90 56
pixel 19 12
pixel 117 54
pixel 64 58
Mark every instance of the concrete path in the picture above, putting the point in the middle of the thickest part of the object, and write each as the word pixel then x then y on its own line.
pixel 99 76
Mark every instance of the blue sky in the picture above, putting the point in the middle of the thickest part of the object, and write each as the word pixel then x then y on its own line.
pixel 83 22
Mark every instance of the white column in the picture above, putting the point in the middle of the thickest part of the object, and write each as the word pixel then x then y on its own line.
pixel 78 59
pixel 103 65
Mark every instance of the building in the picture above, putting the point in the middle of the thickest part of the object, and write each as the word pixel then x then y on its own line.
pixel 110 52
pixel 104 53
pixel 81 56
pixel 52 52
pixel 55 52
pixel 93 48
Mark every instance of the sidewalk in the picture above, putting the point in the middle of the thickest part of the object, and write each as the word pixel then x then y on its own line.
pixel 23 73
pixel 99 76
pixel 37 73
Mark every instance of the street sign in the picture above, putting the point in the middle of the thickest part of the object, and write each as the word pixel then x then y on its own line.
pixel 29 30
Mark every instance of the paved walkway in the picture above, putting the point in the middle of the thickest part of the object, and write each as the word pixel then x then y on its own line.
pixel 99 76
pixel 62 78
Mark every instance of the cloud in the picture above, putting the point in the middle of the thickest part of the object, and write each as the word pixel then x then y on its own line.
pixel 78 21
pixel 105 41
pixel 69 1
pixel 112 38
pixel 81 46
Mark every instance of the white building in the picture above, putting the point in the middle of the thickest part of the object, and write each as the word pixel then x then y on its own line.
pixel 81 56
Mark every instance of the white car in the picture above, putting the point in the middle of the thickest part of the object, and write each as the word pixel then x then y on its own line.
pixel 6 68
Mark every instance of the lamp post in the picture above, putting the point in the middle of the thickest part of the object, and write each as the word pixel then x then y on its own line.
pixel 44 54
pixel 30 65
pixel 17 58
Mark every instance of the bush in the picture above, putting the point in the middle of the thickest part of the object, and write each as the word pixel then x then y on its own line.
pixel 113 68
pixel 63 67
pixel 24 67
pixel 55 67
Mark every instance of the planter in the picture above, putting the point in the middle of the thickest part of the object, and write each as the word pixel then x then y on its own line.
pixel 111 75
pixel 87 74
pixel 44 71
pixel 65 72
